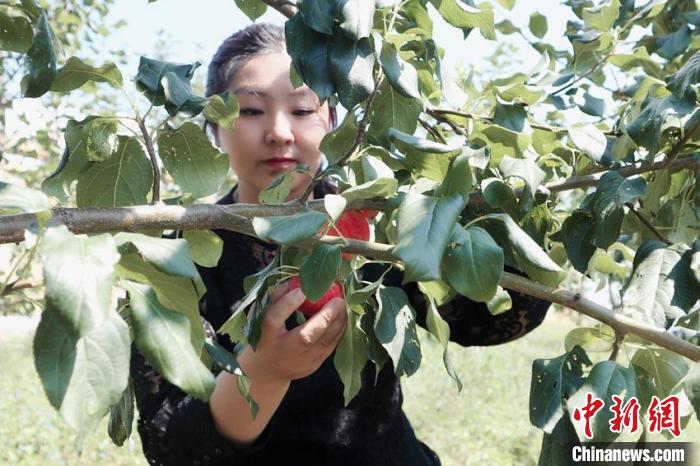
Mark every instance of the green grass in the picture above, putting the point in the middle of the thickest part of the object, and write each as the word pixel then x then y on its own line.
pixel 487 424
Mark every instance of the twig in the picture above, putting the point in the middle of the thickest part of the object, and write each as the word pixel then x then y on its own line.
pixel 285 7
pixel 431 130
pixel 18 285
pixel 619 337
pixel 351 151
pixel 154 162
pixel 648 224
pixel 435 112
pixel 676 149
pixel 587 73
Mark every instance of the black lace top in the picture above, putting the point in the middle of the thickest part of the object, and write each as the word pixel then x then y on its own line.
pixel 311 426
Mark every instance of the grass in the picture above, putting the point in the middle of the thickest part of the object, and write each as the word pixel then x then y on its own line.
pixel 486 424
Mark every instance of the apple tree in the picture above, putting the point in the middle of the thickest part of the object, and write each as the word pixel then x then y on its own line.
pixel 582 168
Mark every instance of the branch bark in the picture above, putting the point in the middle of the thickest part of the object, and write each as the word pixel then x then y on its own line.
pixel 285 7
pixel 235 217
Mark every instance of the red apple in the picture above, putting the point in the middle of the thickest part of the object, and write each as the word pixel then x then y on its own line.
pixel 352 224
pixel 310 308
pixel 369 213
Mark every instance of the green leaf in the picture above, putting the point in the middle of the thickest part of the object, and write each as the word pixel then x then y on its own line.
pixel 84 301
pixel 171 256
pixel 319 15
pixel 524 250
pixel 674 44
pixel 538 25
pixel 425 225
pixel 318 272
pixel 336 143
pixel 18 198
pixel 169 83
pixel 395 329
pixel 578 233
pixel 606 379
pixel 553 382
pixel 500 141
pixel 253 9
pixel 189 156
pixel 440 329
pixel 83 376
pixel 682 81
pixel 392 110
pixel 500 302
pixel 407 142
pixel 593 105
pixel 73 162
pixel 458 178
pixel 309 52
pixel 381 187
pixel 512 117
pixel 352 65
pixel 123 179
pixel 278 191
pixel 40 60
pixel 100 138
pixel 175 293
pixel 498 194
pixel 222 357
pixel 589 140
pixel 222 109
pixel 356 17
pixel 163 337
pixel 525 169
pixel 612 194
pixel 205 247
pixel 401 74
pixel 602 17
pixel 465 17
pixel 15 32
pixel 639 58
pixel 692 388
pixel 75 73
pixel 289 228
pixel 594 340
pixel 473 263
pixel 351 357
pixel 121 417
pixel 665 368
pixel 646 128
pixel 334 205
pixel 662 287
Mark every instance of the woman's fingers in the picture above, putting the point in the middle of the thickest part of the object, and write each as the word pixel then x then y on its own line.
pixel 311 332
pixel 278 291
pixel 279 311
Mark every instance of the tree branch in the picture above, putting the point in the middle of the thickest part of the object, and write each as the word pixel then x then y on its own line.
pixel 285 7
pixel 18 285
pixel 235 218
pixel 435 112
pixel 676 149
pixel 648 224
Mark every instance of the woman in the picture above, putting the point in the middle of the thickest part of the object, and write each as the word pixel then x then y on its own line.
pixel 302 419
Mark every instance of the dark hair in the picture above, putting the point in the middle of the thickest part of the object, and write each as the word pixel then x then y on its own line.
pixel 241 46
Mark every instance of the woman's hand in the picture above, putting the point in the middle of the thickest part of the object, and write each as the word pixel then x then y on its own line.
pixel 284 355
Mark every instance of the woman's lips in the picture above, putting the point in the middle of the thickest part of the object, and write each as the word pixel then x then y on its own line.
pixel 279 162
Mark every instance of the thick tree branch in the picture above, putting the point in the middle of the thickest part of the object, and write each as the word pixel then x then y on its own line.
pixel 621 323
pixel 234 218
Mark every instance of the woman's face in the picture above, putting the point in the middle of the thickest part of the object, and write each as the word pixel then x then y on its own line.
pixel 278 127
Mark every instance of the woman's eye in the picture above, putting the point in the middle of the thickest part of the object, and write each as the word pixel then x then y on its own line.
pixel 303 111
pixel 250 111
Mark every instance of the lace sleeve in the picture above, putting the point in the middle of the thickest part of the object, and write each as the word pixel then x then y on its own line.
pixel 176 428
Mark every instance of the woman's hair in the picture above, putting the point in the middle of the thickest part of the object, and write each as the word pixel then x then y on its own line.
pixel 240 47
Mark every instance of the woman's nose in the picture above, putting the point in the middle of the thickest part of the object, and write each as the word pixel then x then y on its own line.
pixel 279 130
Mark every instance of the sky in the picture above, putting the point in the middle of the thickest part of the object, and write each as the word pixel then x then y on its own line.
pixel 197 31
